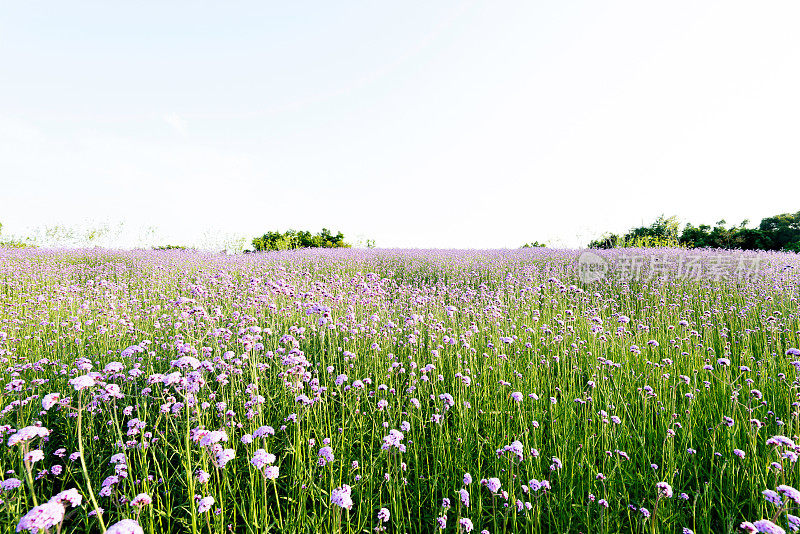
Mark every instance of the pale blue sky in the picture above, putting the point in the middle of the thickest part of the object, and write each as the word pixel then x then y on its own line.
pixel 435 124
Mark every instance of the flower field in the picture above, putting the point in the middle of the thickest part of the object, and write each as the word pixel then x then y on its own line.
pixel 398 391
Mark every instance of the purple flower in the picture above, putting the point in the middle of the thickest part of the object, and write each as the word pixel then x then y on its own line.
pixel 28 433
pixel 70 496
pixel 262 458
pixel 83 382
pixel 383 515
pixel 34 456
pixel 263 432
pixel 205 504
pixel 271 472
pixel 466 524
pixel 493 484
pixel 325 455
pixel 341 497
pixel 141 500
pixel 790 493
pixel 464 494
pixel 224 456
pixel 126 526
pixel 467 479
pixel 768 527
pixel 772 497
pixel 50 400
pixel 664 489
pixel 42 517
pixel 10 484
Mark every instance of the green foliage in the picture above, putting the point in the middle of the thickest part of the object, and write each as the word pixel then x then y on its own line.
pixel 792 247
pixel 663 229
pixel 534 244
pixel 663 232
pixel 170 247
pixel 13 243
pixel 780 232
pixel 293 239
pixel 607 240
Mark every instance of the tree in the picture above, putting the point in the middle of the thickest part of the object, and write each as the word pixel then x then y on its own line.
pixel 292 239
pixel 782 230
pixel 663 228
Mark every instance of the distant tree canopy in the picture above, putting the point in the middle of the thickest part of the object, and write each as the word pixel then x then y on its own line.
pixel 170 247
pixel 533 244
pixel 780 232
pixel 662 233
pixel 292 239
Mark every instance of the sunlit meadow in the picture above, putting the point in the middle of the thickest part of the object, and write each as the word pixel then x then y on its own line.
pixel 398 391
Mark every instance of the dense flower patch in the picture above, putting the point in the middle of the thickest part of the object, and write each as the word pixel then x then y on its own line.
pixel 397 391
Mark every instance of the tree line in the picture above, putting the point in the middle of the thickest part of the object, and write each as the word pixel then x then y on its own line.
pixel 292 239
pixel 779 232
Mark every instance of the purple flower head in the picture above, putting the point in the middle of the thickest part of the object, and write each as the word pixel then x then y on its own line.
pixel 271 472
pixel 262 458
pixel 42 517
pixel 10 484
pixel 664 489
pixel 790 493
pixel 69 497
pixel 772 497
pixel 768 527
pixel 205 504
pixel 325 455
pixel 126 526
pixel 342 497
pixel 50 400
pixel 224 456
pixel 141 500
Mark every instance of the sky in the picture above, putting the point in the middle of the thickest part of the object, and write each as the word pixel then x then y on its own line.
pixel 415 124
